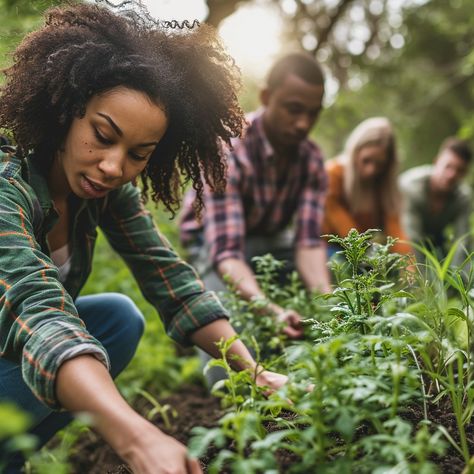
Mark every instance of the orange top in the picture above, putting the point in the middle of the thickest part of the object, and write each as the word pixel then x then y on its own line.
pixel 339 220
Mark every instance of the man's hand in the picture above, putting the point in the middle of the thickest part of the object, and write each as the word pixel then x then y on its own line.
pixel 292 320
pixel 293 327
pixel 272 380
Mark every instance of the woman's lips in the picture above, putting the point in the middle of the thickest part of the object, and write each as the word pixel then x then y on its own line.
pixel 93 189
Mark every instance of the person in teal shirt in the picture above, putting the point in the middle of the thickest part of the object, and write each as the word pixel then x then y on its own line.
pixel 435 199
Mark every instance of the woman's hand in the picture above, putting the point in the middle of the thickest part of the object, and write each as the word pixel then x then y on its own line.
pixel 84 384
pixel 153 452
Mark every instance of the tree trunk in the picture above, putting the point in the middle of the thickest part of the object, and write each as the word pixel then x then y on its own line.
pixel 221 9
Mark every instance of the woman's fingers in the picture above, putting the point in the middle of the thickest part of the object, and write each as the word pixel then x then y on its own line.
pixel 193 466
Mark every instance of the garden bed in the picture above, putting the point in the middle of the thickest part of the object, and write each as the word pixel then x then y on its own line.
pixel 194 407
pixel 390 358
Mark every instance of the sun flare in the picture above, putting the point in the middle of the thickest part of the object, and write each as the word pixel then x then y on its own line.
pixel 252 36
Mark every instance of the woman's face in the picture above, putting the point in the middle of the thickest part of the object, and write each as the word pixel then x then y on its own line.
pixel 370 162
pixel 110 145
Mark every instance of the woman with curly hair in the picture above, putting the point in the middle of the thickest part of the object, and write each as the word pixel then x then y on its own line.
pixel 96 100
pixel 362 187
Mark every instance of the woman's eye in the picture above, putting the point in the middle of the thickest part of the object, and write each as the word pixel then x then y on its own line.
pixel 138 157
pixel 101 138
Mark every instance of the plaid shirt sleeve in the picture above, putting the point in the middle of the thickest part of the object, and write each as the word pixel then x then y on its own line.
pixel 167 282
pixel 311 205
pixel 224 222
pixel 39 324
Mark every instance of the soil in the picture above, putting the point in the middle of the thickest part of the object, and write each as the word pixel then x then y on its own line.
pixel 194 407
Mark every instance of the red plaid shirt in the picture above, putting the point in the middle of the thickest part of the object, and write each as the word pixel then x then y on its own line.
pixel 256 200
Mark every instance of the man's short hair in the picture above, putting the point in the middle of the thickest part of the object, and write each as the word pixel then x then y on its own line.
pixel 302 65
pixel 459 147
pixel 4 140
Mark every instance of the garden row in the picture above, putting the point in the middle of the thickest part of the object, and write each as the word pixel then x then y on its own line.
pixel 382 383
pixel 389 357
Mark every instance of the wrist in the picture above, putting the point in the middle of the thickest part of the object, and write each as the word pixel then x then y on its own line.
pixel 275 309
pixel 122 430
pixel 239 358
pixel 134 438
pixel 264 305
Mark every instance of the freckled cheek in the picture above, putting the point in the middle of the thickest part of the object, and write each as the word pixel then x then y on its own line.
pixel 88 147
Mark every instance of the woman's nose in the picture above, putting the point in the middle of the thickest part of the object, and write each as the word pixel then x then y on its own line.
pixel 112 165
pixel 371 169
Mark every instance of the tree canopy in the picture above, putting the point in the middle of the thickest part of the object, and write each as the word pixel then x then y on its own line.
pixel 410 60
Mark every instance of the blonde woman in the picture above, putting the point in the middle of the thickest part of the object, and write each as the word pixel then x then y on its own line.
pixel 362 191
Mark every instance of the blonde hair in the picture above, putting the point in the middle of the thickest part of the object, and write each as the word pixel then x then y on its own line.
pixel 375 131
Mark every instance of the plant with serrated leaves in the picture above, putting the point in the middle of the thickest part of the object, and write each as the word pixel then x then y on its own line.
pixel 361 274
pixel 360 384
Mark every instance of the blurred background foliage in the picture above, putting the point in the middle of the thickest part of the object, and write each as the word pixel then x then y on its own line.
pixel 410 60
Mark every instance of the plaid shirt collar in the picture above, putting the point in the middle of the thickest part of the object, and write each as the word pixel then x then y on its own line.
pixel 256 119
pixel 39 183
pixel 257 130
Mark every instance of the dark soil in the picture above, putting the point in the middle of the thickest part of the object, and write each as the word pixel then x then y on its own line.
pixel 194 407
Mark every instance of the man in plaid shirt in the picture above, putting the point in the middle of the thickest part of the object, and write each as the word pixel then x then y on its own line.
pixel 275 193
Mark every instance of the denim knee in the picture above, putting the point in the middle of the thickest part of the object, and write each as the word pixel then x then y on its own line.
pixel 128 315
pixel 116 322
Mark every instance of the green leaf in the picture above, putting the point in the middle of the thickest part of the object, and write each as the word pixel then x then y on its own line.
pixel 14 421
pixel 345 423
pixel 202 438
pixel 457 313
pixel 271 441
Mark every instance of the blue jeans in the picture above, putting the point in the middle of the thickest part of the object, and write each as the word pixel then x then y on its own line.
pixel 111 318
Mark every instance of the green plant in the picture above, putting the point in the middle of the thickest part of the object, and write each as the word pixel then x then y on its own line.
pixel 362 278
pixel 13 430
pixel 158 409
pixel 366 365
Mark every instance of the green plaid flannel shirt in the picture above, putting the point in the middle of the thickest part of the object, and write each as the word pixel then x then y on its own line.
pixel 39 324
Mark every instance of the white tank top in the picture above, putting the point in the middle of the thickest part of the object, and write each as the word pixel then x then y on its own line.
pixel 62 259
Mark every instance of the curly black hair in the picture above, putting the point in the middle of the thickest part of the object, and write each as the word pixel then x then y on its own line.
pixel 83 50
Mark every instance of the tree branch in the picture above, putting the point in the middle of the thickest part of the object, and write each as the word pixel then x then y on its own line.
pixel 221 9
pixel 333 19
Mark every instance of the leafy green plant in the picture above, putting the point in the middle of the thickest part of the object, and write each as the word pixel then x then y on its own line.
pixel 13 430
pixel 165 411
pixel 362 278
pixel 364 370
pixel 253 320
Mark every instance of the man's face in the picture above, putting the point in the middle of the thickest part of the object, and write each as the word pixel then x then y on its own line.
pixel 449 169
pixel 291 110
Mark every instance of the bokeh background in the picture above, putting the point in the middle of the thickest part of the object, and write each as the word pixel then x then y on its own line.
pixel 410 60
